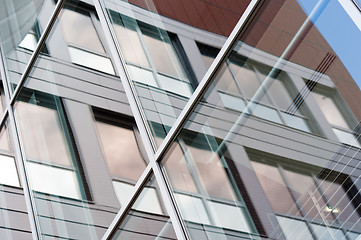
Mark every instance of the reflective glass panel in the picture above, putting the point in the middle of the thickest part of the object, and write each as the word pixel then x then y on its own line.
pixel 152 49
pixel 121 151
pixel 20 29
pixel 147 217
pixel 14 219
pixel 66 168
pixel 286 51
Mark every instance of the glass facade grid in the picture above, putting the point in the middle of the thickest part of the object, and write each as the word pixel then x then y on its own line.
pixel 211 183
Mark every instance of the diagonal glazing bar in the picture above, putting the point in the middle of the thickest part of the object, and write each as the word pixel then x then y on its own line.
pixel 207 79
pixel 140 118
pixel 142 126
pixel 38 49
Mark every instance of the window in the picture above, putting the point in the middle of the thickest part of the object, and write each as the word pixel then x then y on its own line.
pixel 84 45
pixel 241 80
pixel 121 152
pixel 312 197
pixel 49 150
pixel 8 170
pixel 202 186
pixel 331 106
pixel 151 55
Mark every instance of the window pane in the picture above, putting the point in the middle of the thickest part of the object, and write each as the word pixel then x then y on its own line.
pixel 79 30
pixel 275 188
pixel 347 137
pixel 146 219
pixel 180 175
pixel 327 233
pixel 192 209
pixel 130 44
pixel 247 79
pixel 330 110
pixel 295 122
pixel 42 133
pixel 8 172
pixel 4 139
pixel 232 102
pixel 53 180
pixel 344 208
pixel 121 151
pixel 308 195
pixel 91 60
pixel 164 56
pixel 294 229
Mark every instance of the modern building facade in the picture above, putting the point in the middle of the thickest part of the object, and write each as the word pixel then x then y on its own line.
pixel 180 119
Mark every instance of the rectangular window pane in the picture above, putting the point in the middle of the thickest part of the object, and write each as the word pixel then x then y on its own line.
pixel 91 60
pixel 275 188
pixel 53 180
pixel 8 172
pixel 121 151
pixel 79 30
pixel 290 227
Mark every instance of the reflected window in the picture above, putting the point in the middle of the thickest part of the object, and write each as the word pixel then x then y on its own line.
pixel 333 108
pixel 121 151
pixel 151 55
pixel 241 80
pixel 51 161
pixel 203 187
pixel 306 192
pixel 84 44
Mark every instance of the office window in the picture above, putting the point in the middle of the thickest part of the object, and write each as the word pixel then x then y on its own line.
pixel 122 153
pixel 151 55
pixel 241 81
pixel 50 154
pixel 84 45
pixel 327 197
pixel 331 107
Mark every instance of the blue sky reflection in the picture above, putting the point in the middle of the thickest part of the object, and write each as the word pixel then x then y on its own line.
pixel 340 32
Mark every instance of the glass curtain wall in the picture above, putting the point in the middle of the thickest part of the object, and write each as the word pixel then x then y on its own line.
pixel 268 147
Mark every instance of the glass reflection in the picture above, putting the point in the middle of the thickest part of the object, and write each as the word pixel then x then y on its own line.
pixel 263 101
pixel 20 29
pixel 47 146
pixel 147 218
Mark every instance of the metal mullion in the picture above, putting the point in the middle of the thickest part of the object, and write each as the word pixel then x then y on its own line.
pixel 139 186
pixel 207 79
pixel 13 130
pixel 170 202
pixel 142 124
pixel 19 157
pixel 37 51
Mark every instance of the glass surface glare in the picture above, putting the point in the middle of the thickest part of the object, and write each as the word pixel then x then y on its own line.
pixel 155 58
pixel 284 92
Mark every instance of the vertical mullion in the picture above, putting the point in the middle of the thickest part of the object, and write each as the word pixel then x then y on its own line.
pixel 13 130
pixel 19 157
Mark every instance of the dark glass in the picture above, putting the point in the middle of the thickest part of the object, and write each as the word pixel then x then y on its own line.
pixel 147 218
